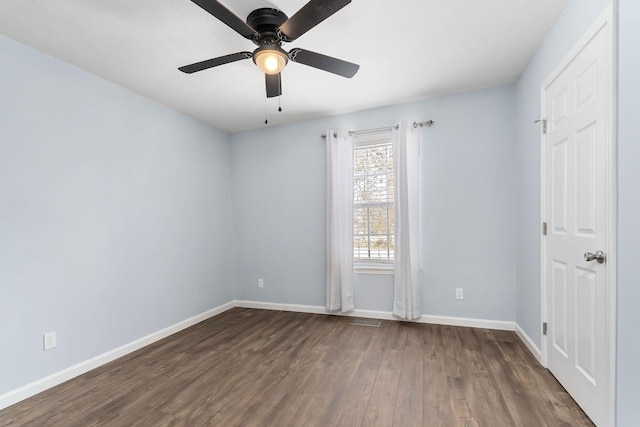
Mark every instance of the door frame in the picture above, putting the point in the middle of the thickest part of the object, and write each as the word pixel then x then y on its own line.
pixel 607 22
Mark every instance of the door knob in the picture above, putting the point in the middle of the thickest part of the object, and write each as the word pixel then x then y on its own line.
pixel 599 257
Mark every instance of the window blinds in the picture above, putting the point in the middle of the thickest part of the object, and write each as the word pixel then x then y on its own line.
pixel 374 220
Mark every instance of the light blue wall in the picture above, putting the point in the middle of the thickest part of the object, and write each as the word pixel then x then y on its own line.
pixel 575 20
pixel 115 218
pixel 278 191
pixel 628 214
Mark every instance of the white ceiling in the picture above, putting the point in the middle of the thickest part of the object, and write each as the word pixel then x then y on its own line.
pixel 407 50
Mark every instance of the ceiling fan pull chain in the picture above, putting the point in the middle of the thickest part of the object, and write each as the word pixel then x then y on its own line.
pixel 266 121
pixel 279 107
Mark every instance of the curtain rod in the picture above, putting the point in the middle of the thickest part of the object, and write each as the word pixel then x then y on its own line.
pixel 426 123
pixel 353 132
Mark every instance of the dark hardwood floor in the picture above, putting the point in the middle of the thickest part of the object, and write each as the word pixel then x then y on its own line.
pixel 250 367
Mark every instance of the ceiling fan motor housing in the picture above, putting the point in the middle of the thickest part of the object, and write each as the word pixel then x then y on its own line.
pixel 266 21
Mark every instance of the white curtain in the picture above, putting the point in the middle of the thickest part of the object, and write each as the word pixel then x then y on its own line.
pixel 339 205
pixel 406 155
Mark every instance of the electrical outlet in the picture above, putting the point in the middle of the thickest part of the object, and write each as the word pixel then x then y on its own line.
pixel 260 283
pixel 459 293
pixel 49 340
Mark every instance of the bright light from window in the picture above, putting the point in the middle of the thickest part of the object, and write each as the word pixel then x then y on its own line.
pixel 373 216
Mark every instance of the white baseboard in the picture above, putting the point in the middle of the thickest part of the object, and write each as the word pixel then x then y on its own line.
pixel 31 389
pixel 529 343
pixel 313 309
pixel 382 315
pixel 501 325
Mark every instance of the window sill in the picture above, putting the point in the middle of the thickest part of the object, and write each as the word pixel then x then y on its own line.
pixel 373 269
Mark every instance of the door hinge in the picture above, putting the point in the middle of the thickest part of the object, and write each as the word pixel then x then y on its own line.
pixel 544 125
pixel 544 328
pixel 544 228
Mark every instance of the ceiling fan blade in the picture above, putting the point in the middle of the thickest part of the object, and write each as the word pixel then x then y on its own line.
pixel 203 65
pixel 324 62
pixel 226 16
pixel 309 16
pixel 274 85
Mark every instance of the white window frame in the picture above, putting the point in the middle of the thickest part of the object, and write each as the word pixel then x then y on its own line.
pixel 372 266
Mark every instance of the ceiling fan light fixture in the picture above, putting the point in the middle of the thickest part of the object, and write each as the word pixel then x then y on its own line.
pixel 270 59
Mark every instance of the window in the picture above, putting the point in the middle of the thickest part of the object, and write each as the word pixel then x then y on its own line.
pixel 373 207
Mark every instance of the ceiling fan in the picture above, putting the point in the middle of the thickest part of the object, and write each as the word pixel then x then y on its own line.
pixel 268 28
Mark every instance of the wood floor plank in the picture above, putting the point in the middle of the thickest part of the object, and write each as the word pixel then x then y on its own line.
pixel 250 367
pixel 437 409
pixel 486 401
pixel 408 406
pixel 385 389
pixel 512 385
pixel 353 410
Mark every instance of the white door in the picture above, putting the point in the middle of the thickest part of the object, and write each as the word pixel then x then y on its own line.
pixel 577 203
